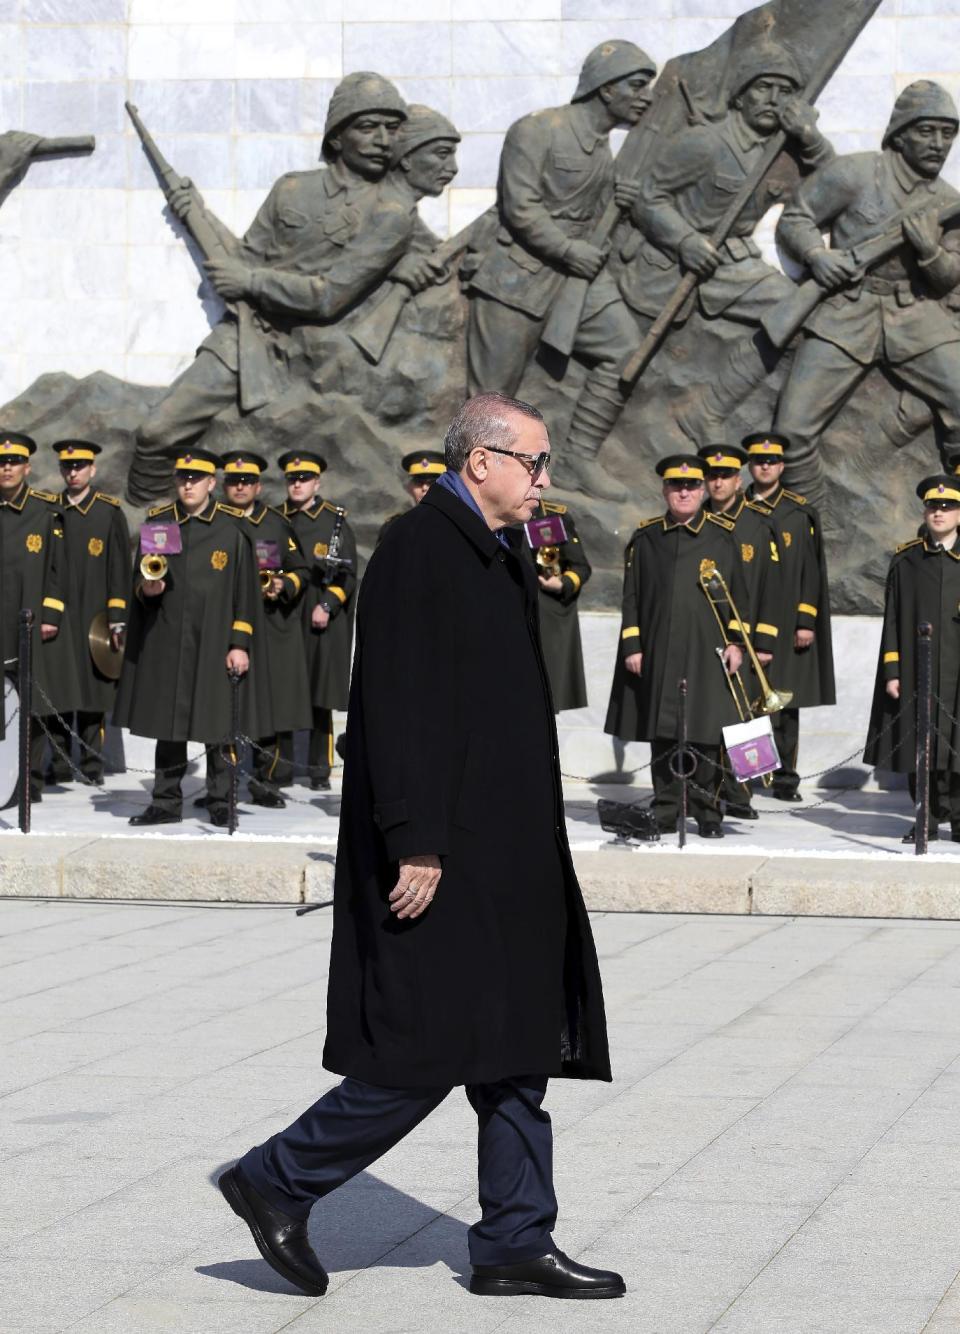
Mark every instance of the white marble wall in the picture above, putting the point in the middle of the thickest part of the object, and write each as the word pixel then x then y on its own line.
pixel 236 92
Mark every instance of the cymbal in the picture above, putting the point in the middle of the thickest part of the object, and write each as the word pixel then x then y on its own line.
pixel 107 660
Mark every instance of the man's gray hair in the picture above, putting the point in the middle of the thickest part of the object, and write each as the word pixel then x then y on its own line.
pixel 484 420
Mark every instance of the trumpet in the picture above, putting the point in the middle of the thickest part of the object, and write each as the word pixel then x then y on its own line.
pixel 548 562
pixel 770 700
pixel 266 581
pixel 154 566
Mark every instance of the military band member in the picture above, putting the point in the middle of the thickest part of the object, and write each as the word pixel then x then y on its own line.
pixel 669 632
pixel 923 584
pixel 756 538
pixel 96 548
pixel 805 657
pixel 327 607
pixel 282 588
pixel 561 574
pixel 187 630
pixel 33 576
pixel 421 469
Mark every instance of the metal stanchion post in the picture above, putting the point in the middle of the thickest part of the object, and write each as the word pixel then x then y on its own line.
pixel 924 728
pixel 682 826
pixel 235 751
pixel 25 686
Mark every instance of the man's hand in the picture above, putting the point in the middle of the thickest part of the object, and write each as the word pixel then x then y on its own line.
pixel 798 120
pixel 418 272
pixel 16 149
pixel 152 588
pixel 923 231
pixel 184 198
pixel 893 688
pixel 550 584
pixel 274 588
pixel 764 659
pixel 803 638
pixel 230 278
pixel 625 193
pixel 699 255
pixel 319 618
pixel 117 635
pixel 584 260
pixel 49 631
pixel 634 663
pixel 416 886
pixel 833 268
pixel 733 658
pixel 238 660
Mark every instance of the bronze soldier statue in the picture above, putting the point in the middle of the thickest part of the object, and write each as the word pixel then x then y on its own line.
pixel 687 192
pixel 323 241
pixel 556 178
pixel 923 584
pixel 893 316
pixel 96 548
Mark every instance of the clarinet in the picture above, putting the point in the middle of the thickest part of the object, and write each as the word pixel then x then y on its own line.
pixel 333 564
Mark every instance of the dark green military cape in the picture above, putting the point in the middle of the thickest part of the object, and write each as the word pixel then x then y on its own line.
pixel 923 584
pixel 328 651
pixel 668 618
pixel 756 538
pixel 559 623
pixel 805 593
pixel 96 545
pixel 282 645
pixel 174 684
pixel 34 577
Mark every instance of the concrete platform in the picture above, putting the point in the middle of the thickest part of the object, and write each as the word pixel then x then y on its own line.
pixel 776 1155
pixel 836 854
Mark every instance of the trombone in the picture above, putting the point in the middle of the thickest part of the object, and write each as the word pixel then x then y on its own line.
pixel 770 701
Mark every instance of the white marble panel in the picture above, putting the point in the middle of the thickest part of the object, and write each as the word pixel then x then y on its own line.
pixel 207 159
pixel 11 103
pixel 61 108
pixel 73 11
pixel 465 205
pixel 163 273
pixel 495 103
pixel 479 157
pixel 857 102
pixel 182 11
pixel 288 50
pixel 506 48
pixel 415 48
pixel 296 11
pixel 164 328
pixel 260 160
pixel 930 46
pixel 156 369
pixel 80 217
pixel 95 271
pixel 315 97
pixel 191 106
pixel 181 51
pixel 11 48
pixel 383 11
pixel 505 10
pixel 82 52
pixel 94 327
pixel 436 93
pixel 268 106
pixel 578 39
pixel 436 214
pixel 104 169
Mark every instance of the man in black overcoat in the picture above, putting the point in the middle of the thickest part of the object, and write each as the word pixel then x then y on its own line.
pixel 462 952
pixel 923 585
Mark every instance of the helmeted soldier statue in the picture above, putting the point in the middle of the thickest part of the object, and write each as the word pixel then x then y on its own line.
pixel 424 161
pixel 893 317
pixel 686 193
pixel 322 242
pixel 556 178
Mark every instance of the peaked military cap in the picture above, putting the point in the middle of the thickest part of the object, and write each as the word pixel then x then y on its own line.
pixel 765 445
pixel 722 456
pixel 302 460
pixel 83 451
pixel 939 487
pixel 193 460
pixel 423 463
pixel 14 444
pixel 609 62
pixel 922 100
pixel 680 468
pixel 242 463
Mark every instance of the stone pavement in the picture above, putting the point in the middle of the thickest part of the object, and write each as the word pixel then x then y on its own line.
pixel 778 1152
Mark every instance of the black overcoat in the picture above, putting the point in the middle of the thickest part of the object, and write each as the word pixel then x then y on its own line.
pixel 452 749
pixel 923 584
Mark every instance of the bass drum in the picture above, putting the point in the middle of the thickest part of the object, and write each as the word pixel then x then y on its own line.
pixel 10 745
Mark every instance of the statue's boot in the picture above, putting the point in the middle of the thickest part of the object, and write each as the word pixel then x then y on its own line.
pixel 594 417
pixel 911 419
pixel 804 468
pixel 149 477
pixel 705 417
pixel 950 450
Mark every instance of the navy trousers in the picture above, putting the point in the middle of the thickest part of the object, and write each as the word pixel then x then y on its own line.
pixel 356 1123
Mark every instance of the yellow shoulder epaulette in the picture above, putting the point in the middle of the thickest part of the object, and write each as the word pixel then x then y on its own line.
pixel 159 509
pixel 905 546
pixel 645 523
pixel 333 508
pixel 721 521
pixel 792 495
pixel 553 507
pixel 232 510
pixel 111 500
pixel 50 497
pixel 758 507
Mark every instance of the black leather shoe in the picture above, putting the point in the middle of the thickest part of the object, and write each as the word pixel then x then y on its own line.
pixel 666 828
pixel 271 799
pixel 154 815
pixel 320 784
pixel 955 833
pixel 737 812
pixel 92 780
pixel 54 779
pixel 281 1240
pixel 785 796
pixel 911 835
pixel 709 829
pixel 554 1275
pixel 201 799
pixel 219 816
pixel 35 797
